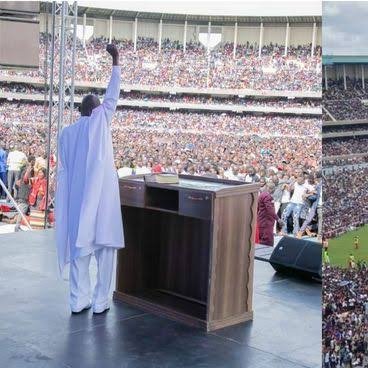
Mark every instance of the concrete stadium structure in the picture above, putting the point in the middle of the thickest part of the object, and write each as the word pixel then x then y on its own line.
pixel 129 25
pixel 342 67
pixel 116 24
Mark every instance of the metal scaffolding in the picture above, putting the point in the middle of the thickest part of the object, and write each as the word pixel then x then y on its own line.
pixel 59 76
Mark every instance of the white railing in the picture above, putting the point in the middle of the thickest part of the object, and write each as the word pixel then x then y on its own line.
pixel 344 122
pixel 346 156
pixel 180 105
pixel 345 134
pixel 173 90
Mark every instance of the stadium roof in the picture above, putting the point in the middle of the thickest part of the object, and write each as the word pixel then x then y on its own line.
pixel 198 12
pixel 344 59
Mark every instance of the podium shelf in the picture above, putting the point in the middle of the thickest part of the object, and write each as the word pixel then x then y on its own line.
pixel 168 305
pixel 189 249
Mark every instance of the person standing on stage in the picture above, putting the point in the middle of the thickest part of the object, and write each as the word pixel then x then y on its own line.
pixel 88 213
pixel 295 205
pixel 317 194
pixel 266 215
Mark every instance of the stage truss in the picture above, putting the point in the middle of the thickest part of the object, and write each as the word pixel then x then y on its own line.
pixel 59 62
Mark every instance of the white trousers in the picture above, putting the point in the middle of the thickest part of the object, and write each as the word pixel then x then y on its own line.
pixel 80 284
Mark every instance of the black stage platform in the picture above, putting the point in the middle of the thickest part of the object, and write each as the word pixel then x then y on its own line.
pixel 37 330
pixel 263 252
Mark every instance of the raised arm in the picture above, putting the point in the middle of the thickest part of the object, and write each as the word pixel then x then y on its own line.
pixel 113 89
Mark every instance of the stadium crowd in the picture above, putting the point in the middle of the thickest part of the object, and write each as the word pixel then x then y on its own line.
pixel 298 71
pixel 346 199
pixel 345 104
pixel 285 150
pixel 238 147
pixel 345 146
pixel 24 122
pixel 345 161
pixel 345 314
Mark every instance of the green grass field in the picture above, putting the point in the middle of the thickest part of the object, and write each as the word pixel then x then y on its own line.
pixel 340 248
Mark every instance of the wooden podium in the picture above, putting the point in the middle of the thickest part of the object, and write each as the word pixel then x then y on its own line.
pixel 189 249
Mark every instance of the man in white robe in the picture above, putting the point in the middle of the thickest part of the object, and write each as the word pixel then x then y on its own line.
pixel 88 212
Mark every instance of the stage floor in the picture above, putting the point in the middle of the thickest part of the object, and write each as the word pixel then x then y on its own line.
pixel 38 331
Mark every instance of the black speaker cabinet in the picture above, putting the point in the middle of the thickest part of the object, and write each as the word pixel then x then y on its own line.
pixel 298 257
pixel 19 34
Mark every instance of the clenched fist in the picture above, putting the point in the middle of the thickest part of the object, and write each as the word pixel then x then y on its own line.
pixel 113 51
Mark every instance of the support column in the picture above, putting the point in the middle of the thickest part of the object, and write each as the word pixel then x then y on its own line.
pixel 110 29
pixel 235 39
pixel 208 37
pixel 260 39
pixel 326 79
pixel 61 94
pixel 84 29
pixel 363 81
pixel 159 35
pixel 314 36
pixel 60 109
pixel 344 71
pixel 135 33
pixel 287 36
pixel 185 36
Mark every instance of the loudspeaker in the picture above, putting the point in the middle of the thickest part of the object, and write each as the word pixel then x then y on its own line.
pixel 298 257
pixel 20 34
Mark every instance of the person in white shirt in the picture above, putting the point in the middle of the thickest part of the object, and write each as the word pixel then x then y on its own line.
pixel 285 198
pixel 142 169
pixel 15 161
pixel 295 206
pixel 228 172
pixel 316 191
pixel 125 171
pixel 233 174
